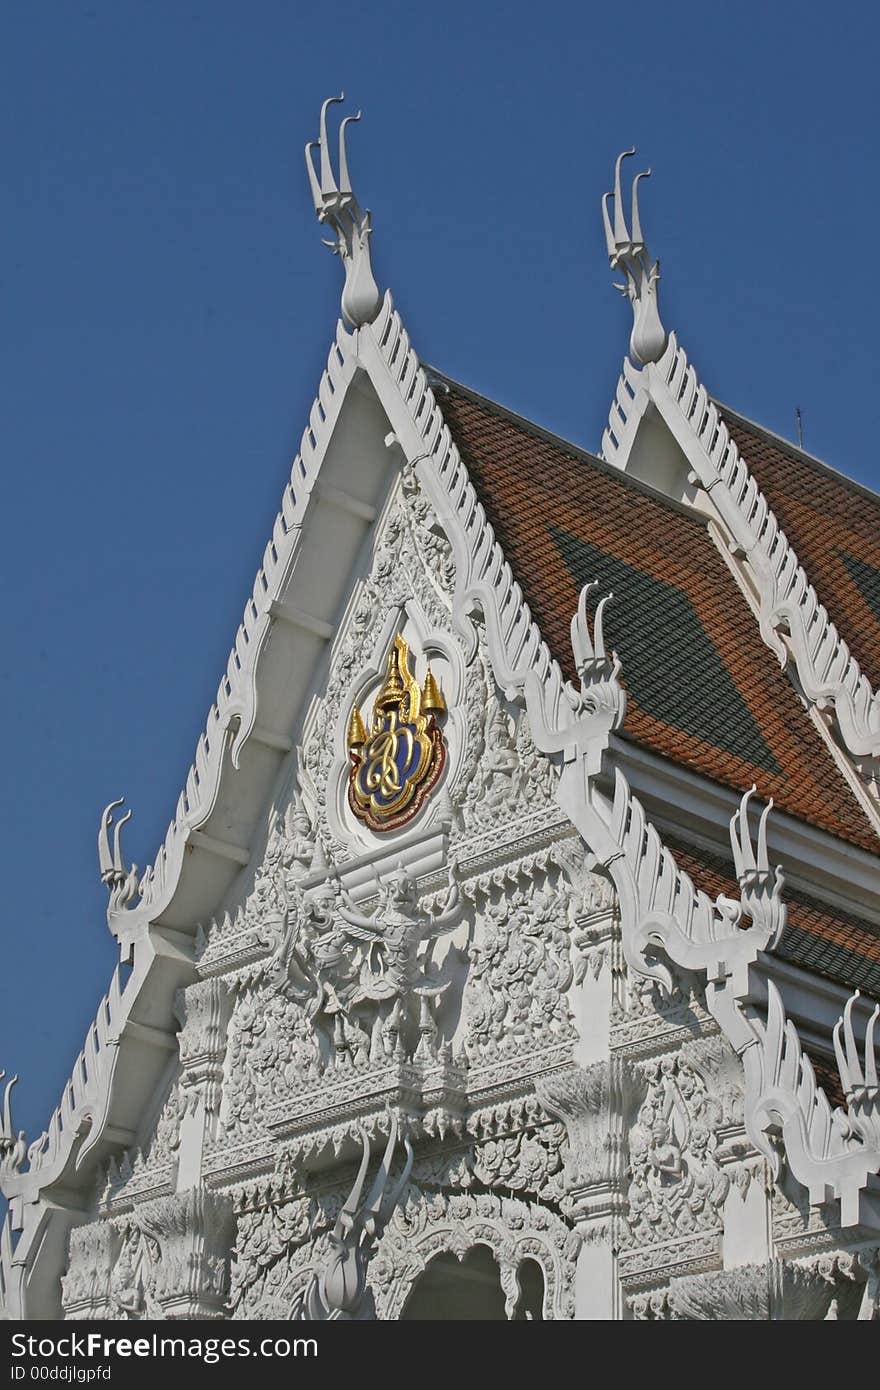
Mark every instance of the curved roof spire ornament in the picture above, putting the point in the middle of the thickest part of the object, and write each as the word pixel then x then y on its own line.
pixel 628 252
pixel 336 204
pixel 13 1148
pixel 121 882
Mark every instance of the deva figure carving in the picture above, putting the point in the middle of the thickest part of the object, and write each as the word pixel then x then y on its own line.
pixel 397 975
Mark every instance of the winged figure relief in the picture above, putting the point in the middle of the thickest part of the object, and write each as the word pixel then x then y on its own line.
pixel 368 983
pixel 397 975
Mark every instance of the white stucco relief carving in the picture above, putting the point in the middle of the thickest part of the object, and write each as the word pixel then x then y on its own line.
pixel 522 982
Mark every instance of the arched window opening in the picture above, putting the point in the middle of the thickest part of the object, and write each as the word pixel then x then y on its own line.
pixel 466 1290
pixel 530 1304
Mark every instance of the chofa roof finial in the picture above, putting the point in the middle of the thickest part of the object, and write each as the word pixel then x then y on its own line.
pixel 336 204
pixel 627 252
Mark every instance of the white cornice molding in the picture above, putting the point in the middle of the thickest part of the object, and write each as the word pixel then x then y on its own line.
pixel 838 872
pixel 828 673
pixel 813 1002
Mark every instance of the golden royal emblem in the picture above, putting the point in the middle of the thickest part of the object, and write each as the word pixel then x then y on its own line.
pixel 395 766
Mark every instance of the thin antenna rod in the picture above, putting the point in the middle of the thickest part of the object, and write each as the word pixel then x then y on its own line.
pixel 800 425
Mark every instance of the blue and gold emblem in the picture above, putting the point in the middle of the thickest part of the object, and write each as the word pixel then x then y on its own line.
pixel 396 764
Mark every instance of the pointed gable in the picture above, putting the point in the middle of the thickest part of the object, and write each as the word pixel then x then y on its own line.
pixel 702 690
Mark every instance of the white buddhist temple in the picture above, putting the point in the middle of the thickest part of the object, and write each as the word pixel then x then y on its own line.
pixel 513 950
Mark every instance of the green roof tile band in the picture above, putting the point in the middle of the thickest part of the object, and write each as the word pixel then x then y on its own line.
pixel 671 667
pixel 866 579
pixel 845 967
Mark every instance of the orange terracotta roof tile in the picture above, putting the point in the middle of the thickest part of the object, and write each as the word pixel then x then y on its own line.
pixel 702 688
pixel 828 1077
pixel 833 524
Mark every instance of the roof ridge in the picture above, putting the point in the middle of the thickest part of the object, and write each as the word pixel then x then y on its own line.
pixel 794 449
pixel 567 445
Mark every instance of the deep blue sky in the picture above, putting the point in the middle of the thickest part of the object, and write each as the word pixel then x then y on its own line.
pixel 167 307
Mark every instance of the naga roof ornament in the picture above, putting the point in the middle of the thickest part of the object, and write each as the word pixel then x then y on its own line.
pixel 860 1085
pixel 13 1147
pixel 120 881
pixel 627 252
pixel 337 206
